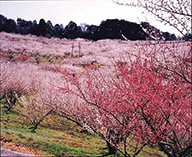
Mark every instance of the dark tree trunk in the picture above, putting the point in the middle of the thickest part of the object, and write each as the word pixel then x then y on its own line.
pixel 112 149
pixel 166 150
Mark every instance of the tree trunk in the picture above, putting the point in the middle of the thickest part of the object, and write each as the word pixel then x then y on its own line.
pixel 166 150
pixel 112 149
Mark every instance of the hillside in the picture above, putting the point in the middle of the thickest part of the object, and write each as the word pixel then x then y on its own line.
pixel 100 51
pixel 40 116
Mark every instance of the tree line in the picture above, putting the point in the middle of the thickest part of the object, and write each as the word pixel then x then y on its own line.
pixel 108 29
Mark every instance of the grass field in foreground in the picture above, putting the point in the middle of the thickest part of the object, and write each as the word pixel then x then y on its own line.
pixel 56 136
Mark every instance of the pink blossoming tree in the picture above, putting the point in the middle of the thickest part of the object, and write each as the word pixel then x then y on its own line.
pixel 140 100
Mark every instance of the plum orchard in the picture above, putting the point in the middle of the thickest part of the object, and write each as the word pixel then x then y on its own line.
pixel 142 100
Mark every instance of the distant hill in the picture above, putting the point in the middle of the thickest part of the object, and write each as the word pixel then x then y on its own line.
pixel 108 29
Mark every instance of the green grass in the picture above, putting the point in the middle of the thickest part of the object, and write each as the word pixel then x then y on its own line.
pixel 57 141
pixel 56 136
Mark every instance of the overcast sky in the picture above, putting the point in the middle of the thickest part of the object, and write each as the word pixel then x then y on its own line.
pixel 79 11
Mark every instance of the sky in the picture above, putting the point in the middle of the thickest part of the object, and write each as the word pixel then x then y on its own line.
pixel 79 11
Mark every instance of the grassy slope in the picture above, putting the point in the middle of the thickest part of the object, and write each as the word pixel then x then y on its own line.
pixel 55 137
